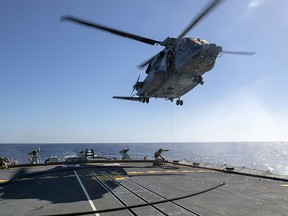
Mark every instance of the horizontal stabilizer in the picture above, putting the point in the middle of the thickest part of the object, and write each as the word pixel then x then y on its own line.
pixel 127 98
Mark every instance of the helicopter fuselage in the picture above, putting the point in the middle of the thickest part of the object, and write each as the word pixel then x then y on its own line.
pixel 177 69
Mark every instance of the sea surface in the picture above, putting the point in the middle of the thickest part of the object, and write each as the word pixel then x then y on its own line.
pixel 272 156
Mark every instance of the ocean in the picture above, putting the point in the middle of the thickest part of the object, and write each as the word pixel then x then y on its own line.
pixel 272 156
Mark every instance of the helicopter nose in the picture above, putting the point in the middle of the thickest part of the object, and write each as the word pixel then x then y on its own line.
pixel 209 53
pixel 218 49
pixel 212 49
pixel 208 60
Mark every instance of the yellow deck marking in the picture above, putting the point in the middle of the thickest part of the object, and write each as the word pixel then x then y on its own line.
pixel 284 185
pixel 153 171
pixel 3 180
pixel 135 172
pixel 120 178
pixel 171 171
pixel 186 171
pixel 175 171
pixel 205 171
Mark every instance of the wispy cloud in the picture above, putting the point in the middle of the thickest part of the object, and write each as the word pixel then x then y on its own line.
pixel 241 115
pixel 255 3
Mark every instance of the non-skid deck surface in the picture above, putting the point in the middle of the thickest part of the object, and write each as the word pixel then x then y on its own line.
pixel 138 189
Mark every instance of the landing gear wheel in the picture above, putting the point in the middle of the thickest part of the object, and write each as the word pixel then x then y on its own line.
pixel 179 102
pixel 144 100
pixel 198 78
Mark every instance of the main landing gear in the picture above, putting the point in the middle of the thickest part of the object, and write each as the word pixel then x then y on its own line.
pixel 144 100
pixel 179 102
pixel 198 78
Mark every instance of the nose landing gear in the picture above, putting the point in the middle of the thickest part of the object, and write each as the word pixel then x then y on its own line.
pixel 198 78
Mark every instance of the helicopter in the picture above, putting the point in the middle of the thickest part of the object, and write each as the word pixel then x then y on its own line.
pixel 175 70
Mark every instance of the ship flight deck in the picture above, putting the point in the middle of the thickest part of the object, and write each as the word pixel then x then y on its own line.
pixel 137 188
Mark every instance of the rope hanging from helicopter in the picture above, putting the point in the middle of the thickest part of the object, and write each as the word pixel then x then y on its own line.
pixel 172 129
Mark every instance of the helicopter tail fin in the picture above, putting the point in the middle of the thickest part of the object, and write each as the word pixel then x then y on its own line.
pixel 140 99
pixel 127 98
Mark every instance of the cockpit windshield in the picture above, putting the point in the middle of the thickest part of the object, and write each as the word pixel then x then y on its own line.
pixel 197 41
pixel 188 42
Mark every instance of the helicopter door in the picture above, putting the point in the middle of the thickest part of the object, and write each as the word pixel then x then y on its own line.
pixel 170 63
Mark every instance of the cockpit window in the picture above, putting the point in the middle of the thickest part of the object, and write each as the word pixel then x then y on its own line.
pixel 188 42
pixel 197 41
pixel 204 42
pixel 183 45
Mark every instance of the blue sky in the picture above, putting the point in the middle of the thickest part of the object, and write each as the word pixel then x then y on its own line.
pixel 57 79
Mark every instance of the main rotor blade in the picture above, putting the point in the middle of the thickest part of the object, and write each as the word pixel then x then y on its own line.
pixel 239 53
pixel 204 13
pixel 111 30
pixel 146 62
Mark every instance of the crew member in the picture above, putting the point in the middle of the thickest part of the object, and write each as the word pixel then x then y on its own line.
pixel 160 160
pixel 3 163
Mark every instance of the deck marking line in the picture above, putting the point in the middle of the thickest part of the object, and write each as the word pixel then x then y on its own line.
pixel 76 165
pixel 49 177
pixel 112 164
pixel 23 179
pixel 203 171
pixel 186 171
pixel 153 171
pixel 171 171
pixel 86 194
pixel 120 178
pixel 135 172
pixel 284 185
pixel 68 176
